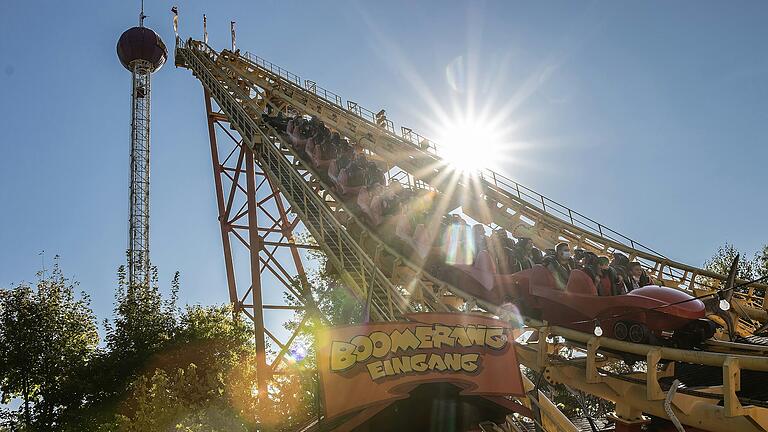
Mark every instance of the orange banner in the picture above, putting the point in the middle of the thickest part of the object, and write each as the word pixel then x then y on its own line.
pixel 368 364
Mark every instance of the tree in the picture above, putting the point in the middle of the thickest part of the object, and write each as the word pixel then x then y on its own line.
pixel 47 337
pixel 144 322
pixel 200 381
pixel 747 270
pixel 178 401
pixel 761 262
pixel 722 259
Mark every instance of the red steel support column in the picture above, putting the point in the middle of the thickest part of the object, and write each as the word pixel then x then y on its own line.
pixel 285 225
pixel 255 245
pixel 223 214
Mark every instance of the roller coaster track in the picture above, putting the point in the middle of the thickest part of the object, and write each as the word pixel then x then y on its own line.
pixel 503 202
pixel 243 86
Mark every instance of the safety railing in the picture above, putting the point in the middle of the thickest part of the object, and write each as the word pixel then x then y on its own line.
pixel 275 69
pixel 561 211
pixel 665 270
pixel 378 119
pixel 318 91
pixel 417 140
pixel 327 95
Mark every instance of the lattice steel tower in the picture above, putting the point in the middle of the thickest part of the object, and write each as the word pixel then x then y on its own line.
pixel 142 52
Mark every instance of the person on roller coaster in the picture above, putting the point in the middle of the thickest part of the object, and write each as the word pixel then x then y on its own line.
pixel 365 197
pixel 637 276
pixel 479 240
pixel 344 155
pixel 578 256
pixel 321 150
pixel 317 133
pixel 306 128
pixel 373 174
pixel 390 200
pixel 620 264
pixel 589 264
pixel 279 122
pixel 522 255
pixel 353 175
pixel 337 142
pixel 359 171
pixel 502 248
pixel 560 264
pixel 537 256
pixel 610 283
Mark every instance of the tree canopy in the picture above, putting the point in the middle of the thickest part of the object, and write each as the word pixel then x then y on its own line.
pixel 159 367
pixel 748 268
pixel 48 337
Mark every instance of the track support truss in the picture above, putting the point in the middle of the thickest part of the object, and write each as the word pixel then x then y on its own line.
pixel 262 258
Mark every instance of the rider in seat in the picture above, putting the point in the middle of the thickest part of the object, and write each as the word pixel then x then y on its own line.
pixel 560 264
pixel 521 257
pixel 502 248
pixel 610 282
pixel 637 276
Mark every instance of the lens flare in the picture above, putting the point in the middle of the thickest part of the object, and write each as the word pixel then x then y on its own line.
pixel 459 245
pixel 298 353
pixel 510 313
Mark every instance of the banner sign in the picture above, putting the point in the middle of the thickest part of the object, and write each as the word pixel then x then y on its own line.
pixel 368 364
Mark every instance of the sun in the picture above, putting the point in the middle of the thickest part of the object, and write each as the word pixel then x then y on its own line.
pixel 470 145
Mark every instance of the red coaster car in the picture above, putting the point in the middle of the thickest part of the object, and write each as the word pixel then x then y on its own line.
pixel 650 315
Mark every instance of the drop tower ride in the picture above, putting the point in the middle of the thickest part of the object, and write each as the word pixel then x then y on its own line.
pixel 142 52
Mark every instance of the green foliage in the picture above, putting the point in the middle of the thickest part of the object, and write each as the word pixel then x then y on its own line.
pixel 179 401
pixel 196 385
pixel 334 302
pixel 160 369
pixel 722 259
pixel 144 324
pixel 295 393
pixel 190 381
pixel 205 381
pixel 143 321
pixel 47 336
pixel 761 262
pixel 748 269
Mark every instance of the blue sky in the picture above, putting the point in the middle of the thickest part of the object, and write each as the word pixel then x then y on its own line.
pixel 649 117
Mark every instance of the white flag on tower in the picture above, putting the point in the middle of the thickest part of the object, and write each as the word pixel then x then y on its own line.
pixel 205 29
pixel 175 11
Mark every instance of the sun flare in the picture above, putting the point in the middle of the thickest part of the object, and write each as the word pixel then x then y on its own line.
pixel 470 145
